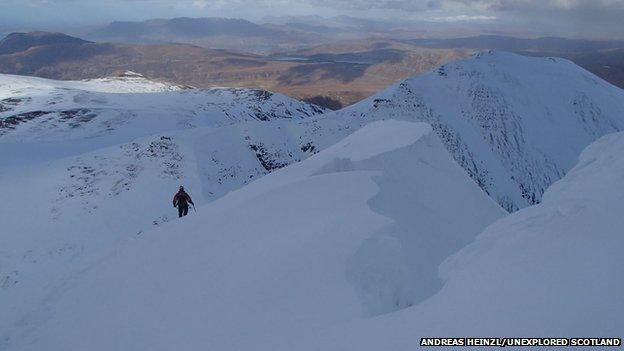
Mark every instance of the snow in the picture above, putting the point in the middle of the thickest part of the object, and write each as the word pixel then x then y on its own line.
pixel 516 124
pixel 553 269
pixel 122 109
pixel 80 184
pixel 287 254
pixel 358 229
pixel 11 85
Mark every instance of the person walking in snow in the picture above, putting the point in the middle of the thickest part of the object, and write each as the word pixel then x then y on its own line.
pixel 181 200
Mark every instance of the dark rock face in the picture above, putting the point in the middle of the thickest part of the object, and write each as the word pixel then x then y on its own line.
pixel 325 101
pixel 9 104
pixel 11 122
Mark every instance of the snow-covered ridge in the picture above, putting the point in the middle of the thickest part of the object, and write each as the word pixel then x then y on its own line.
pixel 128 82
pixel 327 241
pixel 91 164
pixel 550 269
pixel 34 109
pixel 352 221
pixel 516 124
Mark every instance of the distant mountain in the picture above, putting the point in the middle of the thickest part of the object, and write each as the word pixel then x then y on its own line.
pixel 334 74
pixel 161 30
pixel 608 64
pixel 65 57
pixel 42 53
pixel 210 32
pixel 344 23
pixel 18 42
pixel 505 43
pixel 603 58
pixel 323 75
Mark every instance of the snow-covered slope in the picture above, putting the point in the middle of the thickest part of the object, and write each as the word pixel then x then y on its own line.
pixel 245 276
pixel 355 231
pixel 516 124
pixel 554 269
pixel 121 109
pixel 87 165
pixel 85 158
pixel 129 82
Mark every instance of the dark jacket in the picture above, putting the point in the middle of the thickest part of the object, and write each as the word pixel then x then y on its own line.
pixel 182 199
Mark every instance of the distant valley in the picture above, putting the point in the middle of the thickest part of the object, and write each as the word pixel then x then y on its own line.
pixel 321 75
pixel 330 62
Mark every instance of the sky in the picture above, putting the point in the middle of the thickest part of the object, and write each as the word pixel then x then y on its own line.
pixel 574 18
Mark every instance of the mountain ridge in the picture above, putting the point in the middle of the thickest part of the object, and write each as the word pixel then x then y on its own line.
pixel 20 41
pixel 309 222
pixel 507 43
pixel 185 26
pixel 490 114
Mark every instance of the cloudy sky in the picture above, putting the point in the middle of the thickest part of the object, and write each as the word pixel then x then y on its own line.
pixel 579 18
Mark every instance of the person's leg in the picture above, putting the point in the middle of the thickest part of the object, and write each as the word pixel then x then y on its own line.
pixel 185 210
pixel 180 211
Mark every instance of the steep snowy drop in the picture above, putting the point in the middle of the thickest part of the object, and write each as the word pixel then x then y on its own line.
pixel 550 270
pixel 516 124
pixel 355 231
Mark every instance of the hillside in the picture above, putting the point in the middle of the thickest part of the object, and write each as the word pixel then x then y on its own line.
pixel 505 43
pixel 516 124
pixel 357 278
pixel 41 109
pixel 551 269
pixel 311 226
pixel 327 77
pixel 289 254
pixel 59 58
pixel 210 32
pixel 608 64
pixel 602 58
pixel 94 163
pixel 18 42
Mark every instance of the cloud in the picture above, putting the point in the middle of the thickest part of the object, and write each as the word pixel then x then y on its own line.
pixel 578 17
pixel 200 3
pixel 405 5
pixel 550 17
pixel 462 18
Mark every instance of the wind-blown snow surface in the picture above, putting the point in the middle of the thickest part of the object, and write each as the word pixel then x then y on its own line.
pixel 554 269
pixel 341 236
pixel 87 165
pixel 516 124
pixel 121 109
pixel 90 167
pixel 129 82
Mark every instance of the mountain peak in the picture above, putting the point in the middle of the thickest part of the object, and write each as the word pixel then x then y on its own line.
pixel 515 123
